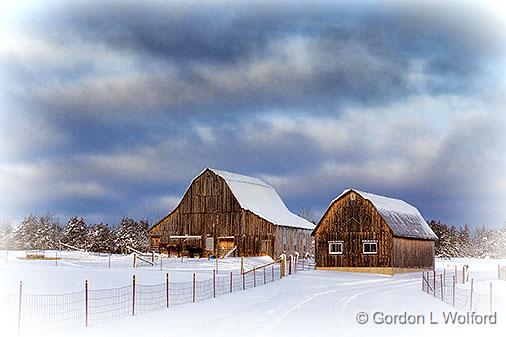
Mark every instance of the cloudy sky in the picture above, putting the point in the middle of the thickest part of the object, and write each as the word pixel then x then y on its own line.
pixel 109 109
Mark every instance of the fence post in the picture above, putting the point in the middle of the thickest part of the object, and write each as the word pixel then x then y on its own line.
pixel 434 282
pixel 193 287
pixel 243 282
pixel 133 295
pixel 134 260
pixel 19 306
pixel 56 259
pixel 290 265
pixel 423 281
pixel 231 287
pixel 167 288
pixel 86 303
pixel 214 283
pixel 463 275
pixel 254 277
pixel 303 264
pixel 216 258
pixel 109 261
pixel 442 295
pixel 454 281
pixel 265 277
pixel 471 298
pixel 242 264
pixel 491 297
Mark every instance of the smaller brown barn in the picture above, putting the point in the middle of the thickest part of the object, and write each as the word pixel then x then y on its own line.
pixel 366 232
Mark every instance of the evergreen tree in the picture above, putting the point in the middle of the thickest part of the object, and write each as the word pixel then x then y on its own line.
pixel 5 235
pixel 102 238
pixel 24 235
pixel 48 233
pixel 76 233
pixel 133 234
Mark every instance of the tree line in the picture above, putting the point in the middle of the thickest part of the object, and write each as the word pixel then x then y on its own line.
pixel 45 232
pixel 462 241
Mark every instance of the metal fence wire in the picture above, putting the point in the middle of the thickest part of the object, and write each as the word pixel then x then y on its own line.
pixel 28 314
pixel 463 292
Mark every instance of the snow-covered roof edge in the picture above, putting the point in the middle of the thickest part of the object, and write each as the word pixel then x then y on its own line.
pixel 293 220
pixel 260 198
pixel 403 218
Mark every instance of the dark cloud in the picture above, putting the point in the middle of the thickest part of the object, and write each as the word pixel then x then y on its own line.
pixel 120 104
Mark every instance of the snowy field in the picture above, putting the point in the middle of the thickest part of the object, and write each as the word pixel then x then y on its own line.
pixel 319 303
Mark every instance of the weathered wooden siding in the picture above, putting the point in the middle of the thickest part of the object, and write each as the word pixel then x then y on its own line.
pixel 352 221
pixel 413 253
pixel 210 209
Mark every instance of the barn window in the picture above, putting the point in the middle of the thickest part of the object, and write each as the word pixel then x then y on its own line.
pixel 335 247
pixel 370 247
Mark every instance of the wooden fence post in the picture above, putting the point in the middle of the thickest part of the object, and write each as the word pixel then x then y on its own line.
pixel 231 287
pixel 194 288
pixel 471 297
pixel 254 278
pixel 243 282
pixel 134 261
pixel 441 281
pixel 242 264
pixel 290 265
pixel 463 275
pixel 454 281
pixel 86 303
pixel 133 295
pixel 167 288
pixel 19 306
pixel 214 283
pixel 265 276
pixel 491 308
pixel 434 282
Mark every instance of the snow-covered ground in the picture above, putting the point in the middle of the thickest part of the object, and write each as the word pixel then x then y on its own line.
pixel 320 303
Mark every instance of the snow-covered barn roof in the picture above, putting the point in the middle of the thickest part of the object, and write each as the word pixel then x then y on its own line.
pixel 262 199
pixel 404 219
pixel 258 197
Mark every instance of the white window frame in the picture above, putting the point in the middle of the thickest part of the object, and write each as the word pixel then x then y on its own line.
pixel 339 243
pixel 369 242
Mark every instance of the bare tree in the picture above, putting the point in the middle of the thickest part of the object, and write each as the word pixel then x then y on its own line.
pixel 307 213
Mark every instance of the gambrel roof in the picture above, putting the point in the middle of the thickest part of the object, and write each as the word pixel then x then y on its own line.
pixel 260 198
pixel 404 219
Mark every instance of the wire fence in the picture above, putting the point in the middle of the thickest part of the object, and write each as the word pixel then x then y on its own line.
pixel 45 314
pixel 457 288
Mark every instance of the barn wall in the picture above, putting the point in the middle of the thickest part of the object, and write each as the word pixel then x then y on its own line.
pixel 413 253
pixel 209 201
pixel 353 221
pixel 290 240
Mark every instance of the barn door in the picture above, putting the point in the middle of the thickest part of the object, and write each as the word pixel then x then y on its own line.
pixel 266 247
